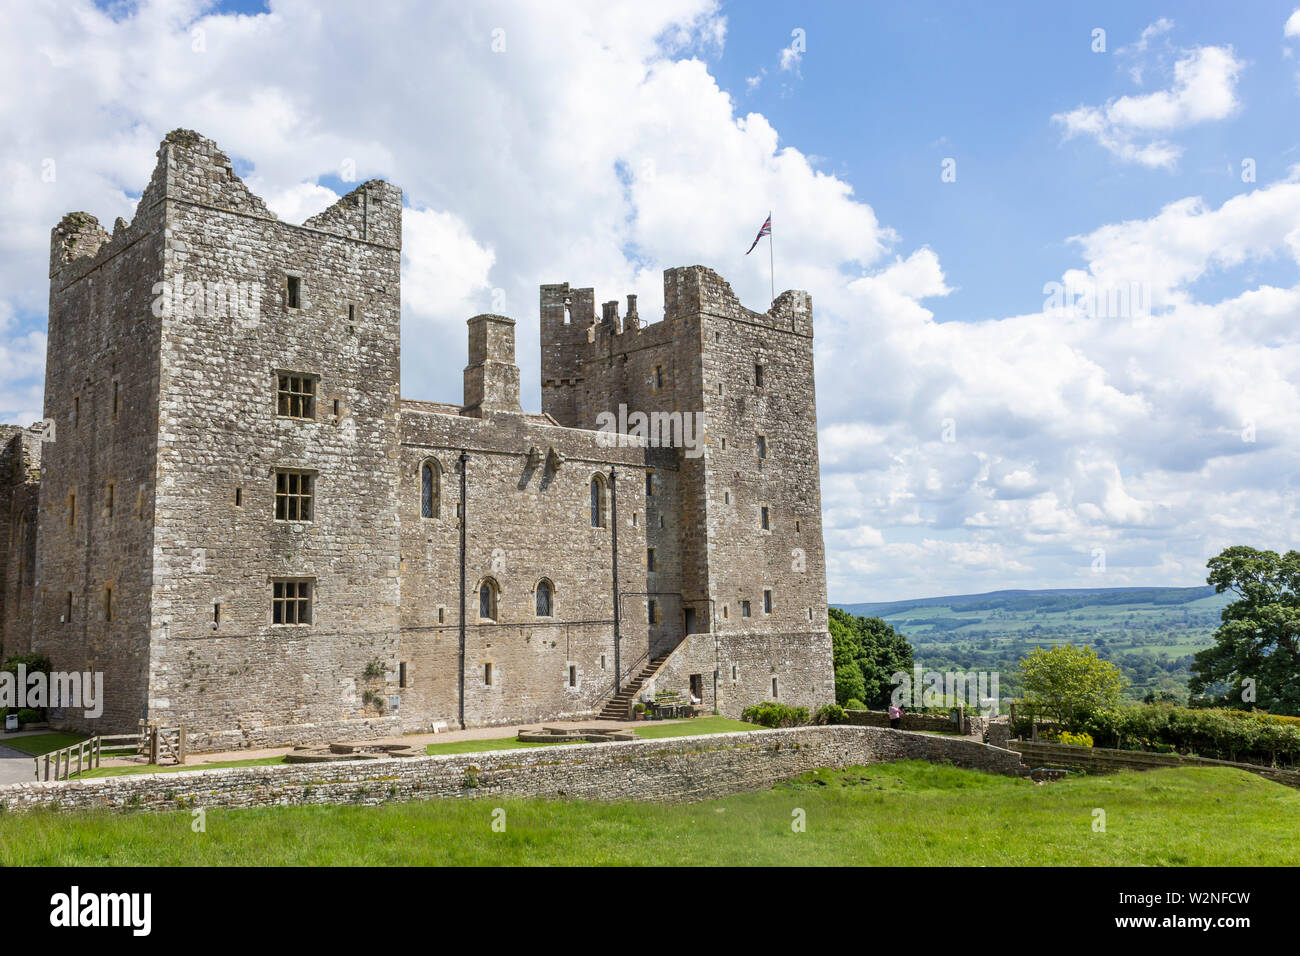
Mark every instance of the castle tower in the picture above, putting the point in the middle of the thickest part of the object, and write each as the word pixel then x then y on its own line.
pixel 217 526
pixel 740 546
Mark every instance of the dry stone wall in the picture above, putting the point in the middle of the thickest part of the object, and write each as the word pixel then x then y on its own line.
pixel 680 769
pixel 1105 760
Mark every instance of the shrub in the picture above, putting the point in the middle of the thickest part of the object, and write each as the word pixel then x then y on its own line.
pixel 29 716
pixel 772 714
pixel 1075 740
pixel 854 704
pixel 1250 736
pixel 830 714
pixel 638 707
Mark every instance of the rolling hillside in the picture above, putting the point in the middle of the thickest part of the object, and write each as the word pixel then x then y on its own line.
pixel 1150 633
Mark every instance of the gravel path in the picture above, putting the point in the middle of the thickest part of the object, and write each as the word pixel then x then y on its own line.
pixel 16 767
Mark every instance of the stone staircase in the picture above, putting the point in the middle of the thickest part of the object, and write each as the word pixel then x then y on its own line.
pixel 616 708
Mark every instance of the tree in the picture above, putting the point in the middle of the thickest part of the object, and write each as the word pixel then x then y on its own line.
pixel 1069 683
pixel 867 652
pixel 1255 659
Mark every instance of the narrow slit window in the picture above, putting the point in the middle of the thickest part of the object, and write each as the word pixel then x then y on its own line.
pixel 758 375
pixel 430 489
pixel 487 601
pixel 597 502
pixel 295 292
pixel 765 517
pixel 762 446
pixel 573 676
pixel 767 602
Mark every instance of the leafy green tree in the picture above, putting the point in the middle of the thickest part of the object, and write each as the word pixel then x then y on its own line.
pixel 867 652
pixel 1069 683
pixel 1255 660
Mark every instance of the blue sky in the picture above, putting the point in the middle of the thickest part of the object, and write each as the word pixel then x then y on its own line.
pixel 973 434
pixel 886 92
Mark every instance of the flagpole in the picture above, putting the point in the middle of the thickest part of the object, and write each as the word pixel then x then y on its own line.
pixel 771 258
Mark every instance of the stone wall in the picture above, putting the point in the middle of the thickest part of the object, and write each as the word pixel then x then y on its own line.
pixel 324 306
pixel 1105 760
pixel 935 723
pixel 93 597
pixel 20 470
pixel 680 769
pixel 528 520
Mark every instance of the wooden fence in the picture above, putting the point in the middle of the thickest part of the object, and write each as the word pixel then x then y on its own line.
pixel 154 743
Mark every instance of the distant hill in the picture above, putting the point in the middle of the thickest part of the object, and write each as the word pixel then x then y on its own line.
pixel 1047 599
pixel 1151 633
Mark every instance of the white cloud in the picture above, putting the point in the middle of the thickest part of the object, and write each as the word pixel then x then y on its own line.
pixel 1204 89
pixel 1292 26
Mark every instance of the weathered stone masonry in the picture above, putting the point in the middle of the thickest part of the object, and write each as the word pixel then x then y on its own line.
pixel 249 531
pixel 677 769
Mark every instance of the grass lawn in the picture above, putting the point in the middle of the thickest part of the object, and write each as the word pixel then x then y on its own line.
pixel 689 728
pixel 37 744
pixel 908 813
pixel 649 729
pixel 652 729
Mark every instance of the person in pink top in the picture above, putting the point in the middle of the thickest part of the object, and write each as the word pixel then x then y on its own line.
pixel 895 715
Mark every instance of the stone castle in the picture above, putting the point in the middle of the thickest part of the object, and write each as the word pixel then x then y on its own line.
pixel 233 515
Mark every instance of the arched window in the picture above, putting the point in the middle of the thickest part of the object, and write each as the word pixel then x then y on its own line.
pixel 487 600
pixel 544 598
pixel 598 501
pixel 430 489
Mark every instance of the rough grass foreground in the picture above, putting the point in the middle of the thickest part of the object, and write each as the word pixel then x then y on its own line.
pixel 907 813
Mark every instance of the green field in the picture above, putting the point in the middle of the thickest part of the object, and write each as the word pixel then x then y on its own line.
pixel 908 813
pixel 37 744
pixel 1150 633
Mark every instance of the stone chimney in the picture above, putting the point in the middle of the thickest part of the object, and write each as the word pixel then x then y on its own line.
pixel 492 377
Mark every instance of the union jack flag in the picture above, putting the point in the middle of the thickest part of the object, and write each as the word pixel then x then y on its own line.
pixel 765 231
